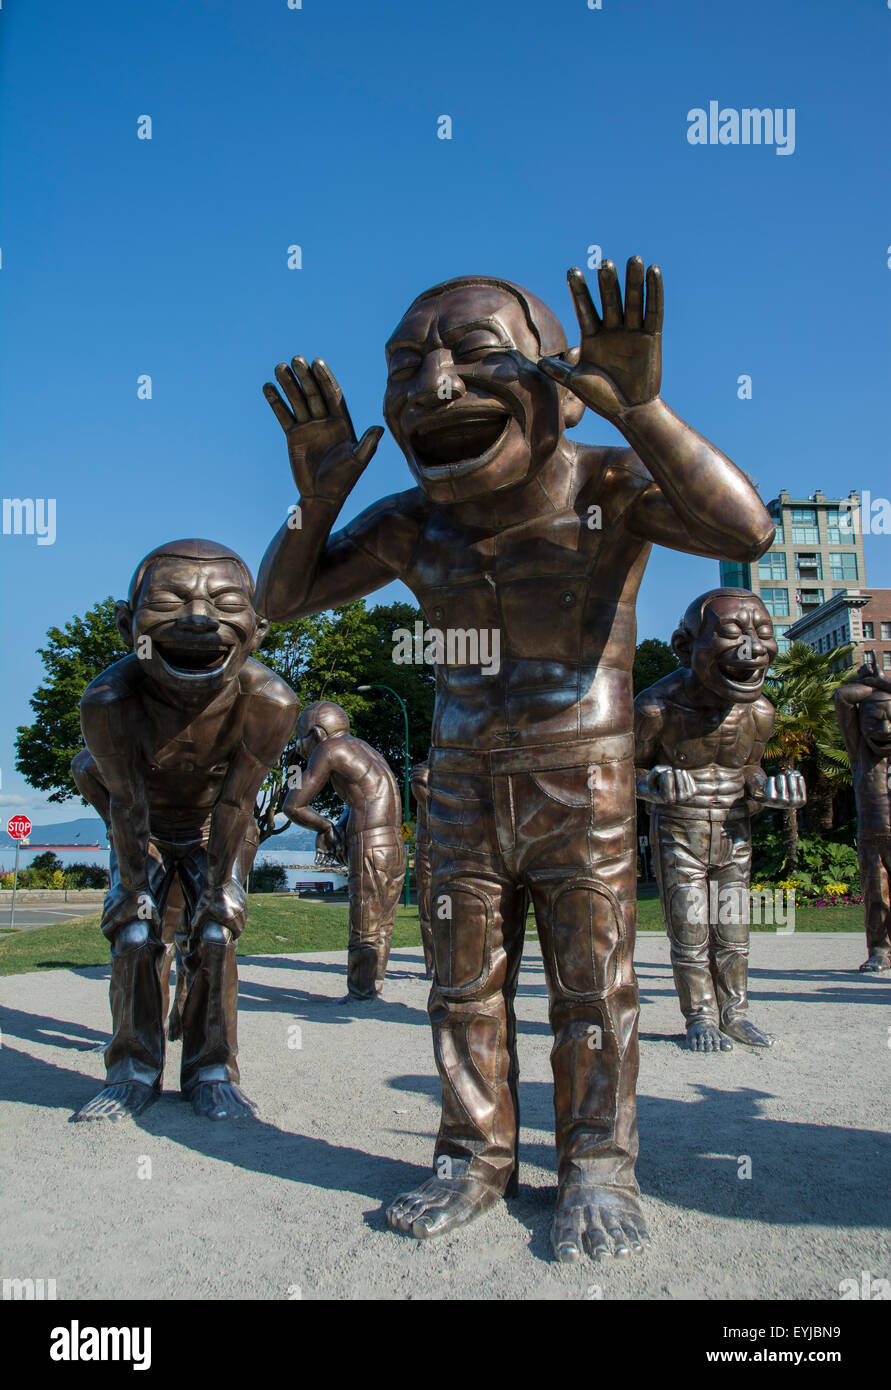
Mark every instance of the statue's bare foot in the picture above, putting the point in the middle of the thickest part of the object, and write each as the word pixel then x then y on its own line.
pixel 876 964
pixel 439 1205
pixel 706 1037
pixel 745 1032
pixel 221 1100
pixel 596 1221
pixel 118 1102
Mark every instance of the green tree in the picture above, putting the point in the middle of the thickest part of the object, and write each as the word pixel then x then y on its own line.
pixel 74 654
pixel 324 656
pixel 653 659
pixel 801 684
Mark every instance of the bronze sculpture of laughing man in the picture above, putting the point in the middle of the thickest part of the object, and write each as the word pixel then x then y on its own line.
pixel 515 529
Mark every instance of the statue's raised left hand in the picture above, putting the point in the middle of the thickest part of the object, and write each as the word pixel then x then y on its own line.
pixel 620 358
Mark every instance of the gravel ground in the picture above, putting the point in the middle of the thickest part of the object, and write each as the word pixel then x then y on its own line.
pixel 291 1205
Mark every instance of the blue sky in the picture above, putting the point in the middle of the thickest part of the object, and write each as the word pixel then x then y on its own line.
pixel 317 126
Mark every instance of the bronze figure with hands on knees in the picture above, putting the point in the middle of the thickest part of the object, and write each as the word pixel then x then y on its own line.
pixel 368 835
pixel 513 528
pixel 180 735
pixel 700 734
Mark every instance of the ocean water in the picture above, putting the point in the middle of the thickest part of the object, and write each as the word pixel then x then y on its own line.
pixel 296 862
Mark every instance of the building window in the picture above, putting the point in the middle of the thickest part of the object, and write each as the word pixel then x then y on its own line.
pixel 870 659
pixel 810 598
pixel 772 565
pixel 843 565
pixel 808 565
pixel 868 632
pixel 804 526
pixel 839 525
pixel 886 661
pixel 831 641
pixel 735 575
pixel 838 591
pixel 776 601
pixel 886 632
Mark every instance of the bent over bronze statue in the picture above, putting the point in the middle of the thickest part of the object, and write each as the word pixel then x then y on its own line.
pixel 522 536
pixel 180 736
pixel 370 834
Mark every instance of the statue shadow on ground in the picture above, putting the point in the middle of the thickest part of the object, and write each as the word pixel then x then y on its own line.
pixel 802 1173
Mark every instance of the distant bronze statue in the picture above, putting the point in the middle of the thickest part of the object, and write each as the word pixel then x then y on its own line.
pixel 179 737
pixel 863 708
pixel 699 738
pixel 529 547
pixel 372 833
pixel 419 778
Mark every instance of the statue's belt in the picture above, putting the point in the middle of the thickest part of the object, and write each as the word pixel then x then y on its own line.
pixel 613 748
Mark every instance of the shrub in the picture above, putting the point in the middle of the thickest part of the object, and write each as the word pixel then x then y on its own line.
pixel 269 878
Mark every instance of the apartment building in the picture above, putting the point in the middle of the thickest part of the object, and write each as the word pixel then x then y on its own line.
pixel 816 556
pixel 858 616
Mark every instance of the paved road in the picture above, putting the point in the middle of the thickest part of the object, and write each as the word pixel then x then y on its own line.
pixel 31 915
pixel 763 1174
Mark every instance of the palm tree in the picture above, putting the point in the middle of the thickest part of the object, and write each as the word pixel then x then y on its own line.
pixel 806 737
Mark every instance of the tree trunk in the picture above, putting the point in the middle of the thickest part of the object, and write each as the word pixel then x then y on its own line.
pixel 790 840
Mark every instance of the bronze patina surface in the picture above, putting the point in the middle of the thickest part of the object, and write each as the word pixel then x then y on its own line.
pixel 370 835
pixel 179 737
pixel 419 778
pixel 536 544
pixel 699 737
pixel 863 709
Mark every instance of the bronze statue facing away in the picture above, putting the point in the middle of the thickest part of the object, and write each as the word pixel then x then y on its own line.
pixel 538 543
pixel 699 737
pixel 372 834
pixel 863 709
pixel 179 737
pixel 419 778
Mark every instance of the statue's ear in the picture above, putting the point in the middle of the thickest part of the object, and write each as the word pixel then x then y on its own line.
pixel 320 733
pixel 260 633
pixel 682 645
pixel 573 408
pixel 123 616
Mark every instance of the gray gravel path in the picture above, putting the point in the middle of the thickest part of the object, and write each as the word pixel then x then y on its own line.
pixel 292 1205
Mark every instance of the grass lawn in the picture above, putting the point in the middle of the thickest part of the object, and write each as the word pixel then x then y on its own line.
pixel 285 926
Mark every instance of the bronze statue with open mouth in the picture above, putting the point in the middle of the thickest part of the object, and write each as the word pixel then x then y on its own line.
pixel 699 738
pixel 515 529
pixel 180 735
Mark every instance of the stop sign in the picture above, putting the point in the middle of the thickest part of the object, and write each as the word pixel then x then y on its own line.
pixel 19 827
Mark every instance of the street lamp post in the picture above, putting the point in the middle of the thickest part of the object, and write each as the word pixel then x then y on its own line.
pixel 405 810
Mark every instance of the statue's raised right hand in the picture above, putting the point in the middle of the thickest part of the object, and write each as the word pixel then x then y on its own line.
pixel 326 458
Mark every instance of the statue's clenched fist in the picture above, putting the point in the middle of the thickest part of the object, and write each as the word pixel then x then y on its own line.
pixel 786 789
pixel 664 786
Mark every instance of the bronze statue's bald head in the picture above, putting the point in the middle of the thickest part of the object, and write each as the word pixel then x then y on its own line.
pixel 189 615
pixel 319 721
pixel 465 398
pixel 187 550
pixel 542 321
pixel 726 639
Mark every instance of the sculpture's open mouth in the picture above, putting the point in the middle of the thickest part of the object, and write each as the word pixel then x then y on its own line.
pixel 747 675
pixel 459 436
pixel 200 659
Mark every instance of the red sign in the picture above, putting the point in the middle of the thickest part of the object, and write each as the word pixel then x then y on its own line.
pixel 19 827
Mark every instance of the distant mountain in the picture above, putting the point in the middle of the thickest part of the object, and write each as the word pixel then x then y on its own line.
pixel 86 830
pixel 89 830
